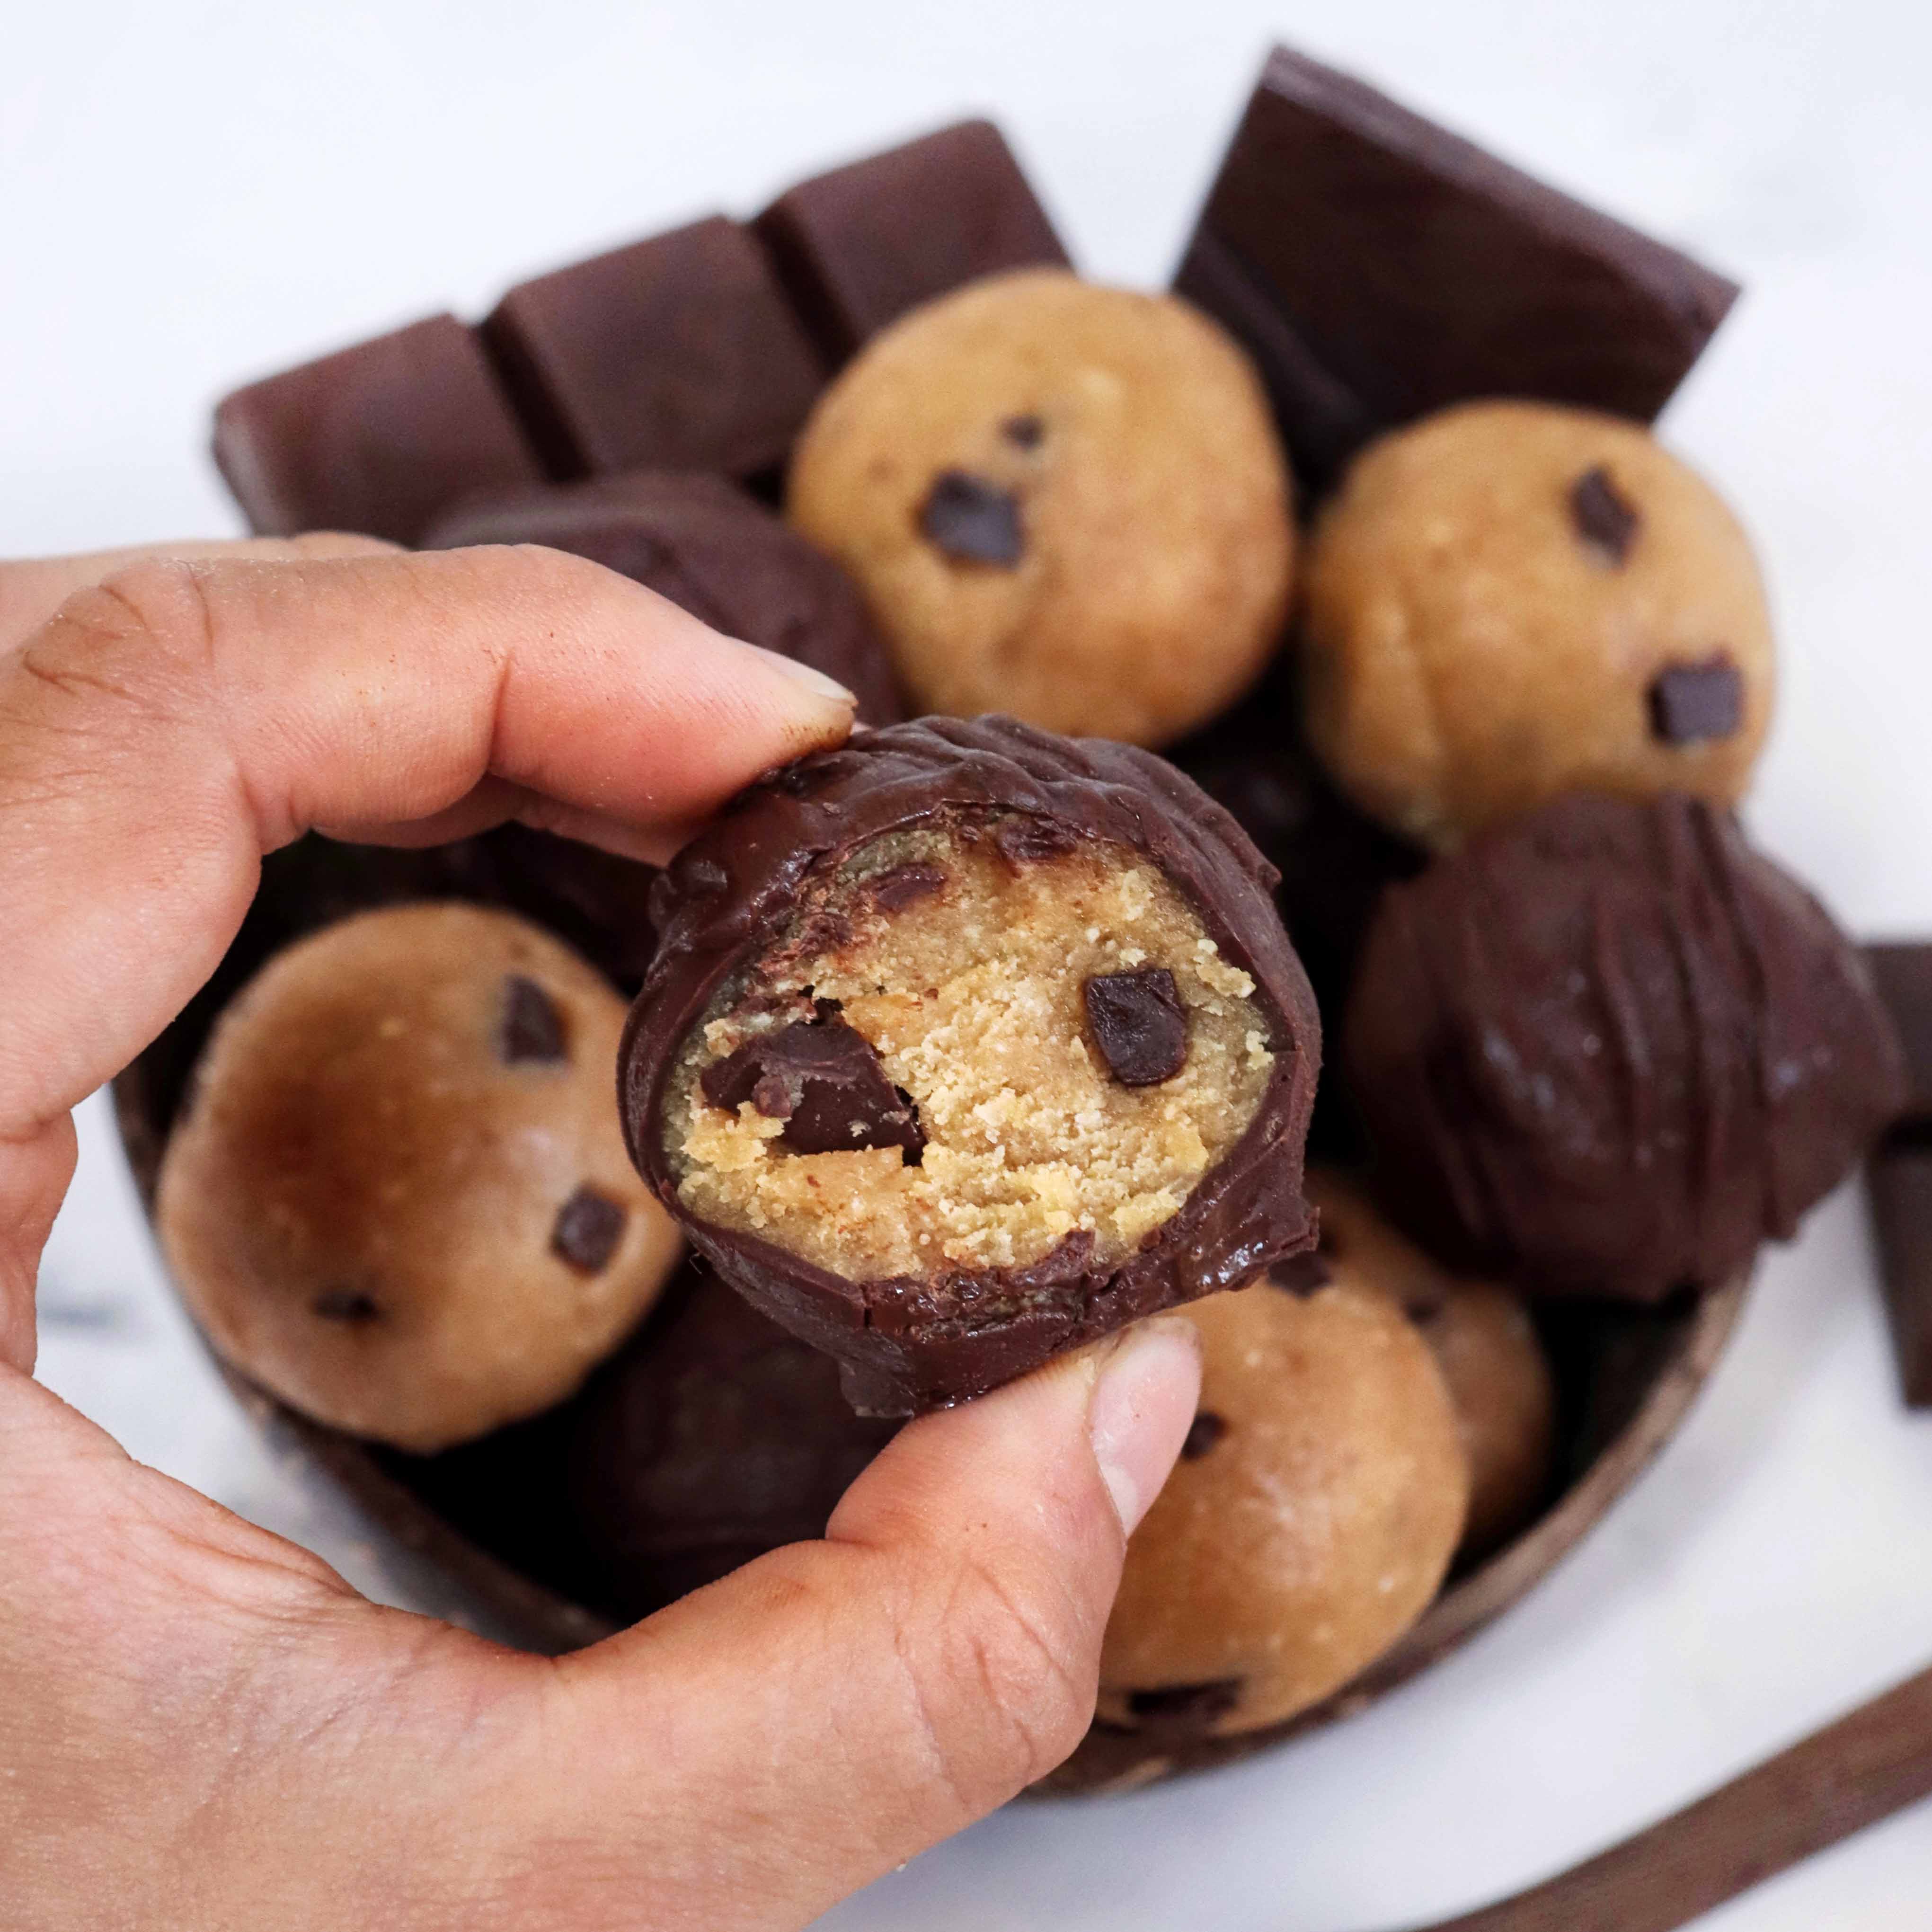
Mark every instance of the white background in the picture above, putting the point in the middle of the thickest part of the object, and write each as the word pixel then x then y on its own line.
pixel 189 194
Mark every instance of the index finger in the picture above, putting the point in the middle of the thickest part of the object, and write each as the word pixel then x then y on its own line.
pixel 167 727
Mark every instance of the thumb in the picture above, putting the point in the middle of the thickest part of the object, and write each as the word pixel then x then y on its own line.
pixel 763 1748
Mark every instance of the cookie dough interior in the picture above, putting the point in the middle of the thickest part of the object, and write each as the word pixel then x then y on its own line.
pixel 963 955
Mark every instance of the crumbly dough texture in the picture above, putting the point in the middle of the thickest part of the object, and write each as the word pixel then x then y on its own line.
pixel 971 994
pixel 1484 1342
pixel 1128 438
pixel 1469 652
pixel 1308 1523
pixel 364 1201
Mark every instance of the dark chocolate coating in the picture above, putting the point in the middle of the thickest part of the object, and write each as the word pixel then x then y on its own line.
pixel 679 352
pixel 1378 267
pixel 1608 1049
pixel 912 1343
pixel 859 246
pixel 380 438
pixel 714 1437
pixel 1900 1179
pixel 713 550
pixel 1902 970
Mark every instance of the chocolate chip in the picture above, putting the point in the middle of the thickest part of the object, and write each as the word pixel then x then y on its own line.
pixel 1139 1024
pixel 972 520
pixel 903 884
pixel 349 1305
pixel 1206 1429
pixel 1605 519
pixel 824 1080
pixel 1304 1275
pixel 1690 703
pixel 1026 840
pixel 533 1027
pixel 1186 1703
pixel 1423 1309
pixel 589 1227
pixel 1023 432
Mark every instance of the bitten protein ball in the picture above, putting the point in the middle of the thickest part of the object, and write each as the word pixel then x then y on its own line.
pixel 1064 502
pixel 1510 600
pixel 399 1199
pixel 1310 1522
pixel 1483 1342
pixel 712 1437
pixel 1608 1049
pixel 713 550
pixel 967 1044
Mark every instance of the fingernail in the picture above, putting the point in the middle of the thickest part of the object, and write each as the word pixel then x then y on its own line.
pixel 1142 1407
pixel 815 681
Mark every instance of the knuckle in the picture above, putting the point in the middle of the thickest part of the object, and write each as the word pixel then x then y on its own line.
pixel 154 616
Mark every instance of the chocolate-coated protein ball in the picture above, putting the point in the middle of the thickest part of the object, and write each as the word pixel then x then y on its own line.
pixel 1607 1049
pixel 1509 601
pixel 1310 1522
pixel 967 1044
pixel 399 1198
pixel 1064 502
pixel 714 551
pixel 1483 1342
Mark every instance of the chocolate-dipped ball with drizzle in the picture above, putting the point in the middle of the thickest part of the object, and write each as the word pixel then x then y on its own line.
pixel 967 1044
pixel 398 1198
pixel 1607 1049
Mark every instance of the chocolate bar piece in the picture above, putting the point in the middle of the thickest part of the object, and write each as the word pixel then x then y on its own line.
pixel 1378 267
pixel 992 1175
pixel 680 352
pixel 706 544
pixel 859 246
pixel 379 438
pixel 1900 1173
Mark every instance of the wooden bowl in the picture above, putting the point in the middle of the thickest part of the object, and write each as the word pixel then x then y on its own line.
pixel 1626 1377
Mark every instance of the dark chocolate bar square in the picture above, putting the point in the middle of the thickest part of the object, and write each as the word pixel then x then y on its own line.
pixel 1900 1176
pixel 1903 973
pixel 680 352
pixel 380 438
pixel 859 246
pixel 1379 267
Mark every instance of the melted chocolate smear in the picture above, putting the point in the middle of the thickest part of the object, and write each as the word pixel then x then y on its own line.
pixel 903 884
pixel 1304 1275
pixel 1605 519
pixel 533 1027
pixel 1186 1703
pixel 589 1227
pixel 824 1080
pixel 972 520
pixel 1206 1429
pixel 1690 704
pixel 1023 432
pixel 347 1305
pixel 1139 1024
pixel 1023 840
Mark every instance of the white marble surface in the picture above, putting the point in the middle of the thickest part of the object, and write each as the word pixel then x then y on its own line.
pixel 194 192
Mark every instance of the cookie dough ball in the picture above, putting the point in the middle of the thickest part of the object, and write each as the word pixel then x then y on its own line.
pixel 399 1199
pixel 712 1437
pixel 964 1045
pixel 1310 1522
pixel 1607 1049
pixel 1484 1343
pixel 1064 501
pixel 1510 600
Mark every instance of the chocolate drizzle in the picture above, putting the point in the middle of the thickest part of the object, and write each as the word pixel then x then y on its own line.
pixel 913 1343
pixel 1608 1048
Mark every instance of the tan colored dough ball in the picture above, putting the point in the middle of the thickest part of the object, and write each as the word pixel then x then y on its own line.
pixel 1484 1343
pixel 1064 502
pixel 1308 1523
pixel 1510 600
pixel 399 1198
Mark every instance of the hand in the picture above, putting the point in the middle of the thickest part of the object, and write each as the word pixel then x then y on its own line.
pixel 202 1726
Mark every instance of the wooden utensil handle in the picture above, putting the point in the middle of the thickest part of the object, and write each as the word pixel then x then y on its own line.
pixel 1850 1775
